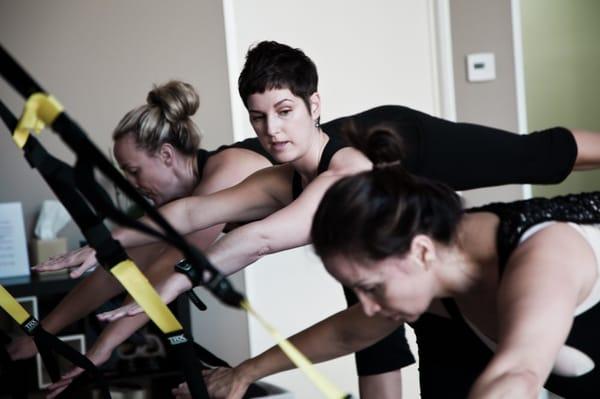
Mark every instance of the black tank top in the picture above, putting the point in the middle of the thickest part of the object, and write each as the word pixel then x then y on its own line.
pixel 334 144
pixel 515 218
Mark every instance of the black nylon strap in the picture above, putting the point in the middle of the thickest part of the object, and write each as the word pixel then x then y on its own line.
pixel 89 157
pixel 74 357
pixel 16 76
pixel 9 370
pixel 181 347
pixel 208 358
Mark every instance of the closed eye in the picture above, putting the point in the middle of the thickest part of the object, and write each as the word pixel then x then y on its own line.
pixel 369 289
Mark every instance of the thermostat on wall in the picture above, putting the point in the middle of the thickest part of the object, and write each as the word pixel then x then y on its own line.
pixel 481 67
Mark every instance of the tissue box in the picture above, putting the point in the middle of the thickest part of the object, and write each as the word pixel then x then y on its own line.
pixel 44 249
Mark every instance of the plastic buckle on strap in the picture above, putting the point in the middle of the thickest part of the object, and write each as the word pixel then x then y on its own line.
pixel 39 110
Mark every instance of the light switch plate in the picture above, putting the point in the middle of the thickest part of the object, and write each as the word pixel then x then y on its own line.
pixel 481 67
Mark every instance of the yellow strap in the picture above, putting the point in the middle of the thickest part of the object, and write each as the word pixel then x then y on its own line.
pixel 144 294
pixel 323 384
pixel 12 306
pixel 40 110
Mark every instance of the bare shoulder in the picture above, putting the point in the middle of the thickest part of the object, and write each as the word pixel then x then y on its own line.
pixel 347 161
pixel 557 252
pixel 239 161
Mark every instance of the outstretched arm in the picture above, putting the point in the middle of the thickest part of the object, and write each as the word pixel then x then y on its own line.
pixel 285 229
pixel 545 279
pixel 253 198
pixel 343 333
pixel 116 333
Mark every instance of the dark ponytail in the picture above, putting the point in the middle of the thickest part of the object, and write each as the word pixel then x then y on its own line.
pixel 376 214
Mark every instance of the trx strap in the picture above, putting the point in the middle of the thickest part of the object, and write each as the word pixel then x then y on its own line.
pixel 62 180
pixel 50 113
pixel 48 343
pixel 45 342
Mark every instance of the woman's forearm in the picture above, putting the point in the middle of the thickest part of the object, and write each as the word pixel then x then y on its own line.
pixel 115 333
pixel 185 215
pixel 343 333
pixel 236 250
pixel 87 295
pixel 509 384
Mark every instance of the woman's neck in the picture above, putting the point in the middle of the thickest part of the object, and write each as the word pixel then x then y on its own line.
pixel 308 165
pixel 470 264
pixel 187 174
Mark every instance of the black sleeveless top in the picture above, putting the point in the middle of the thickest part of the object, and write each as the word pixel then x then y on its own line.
pixel 515 219
pixel 334 144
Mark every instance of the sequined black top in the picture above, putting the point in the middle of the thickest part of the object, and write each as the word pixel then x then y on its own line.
pixel 515 219
pixel 518 216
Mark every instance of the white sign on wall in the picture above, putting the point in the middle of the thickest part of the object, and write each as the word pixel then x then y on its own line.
pixel 13 244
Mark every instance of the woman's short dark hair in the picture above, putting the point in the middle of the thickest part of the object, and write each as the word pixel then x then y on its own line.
pixel 271 65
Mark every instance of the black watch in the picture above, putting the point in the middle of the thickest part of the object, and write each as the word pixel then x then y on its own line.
pixel 185 267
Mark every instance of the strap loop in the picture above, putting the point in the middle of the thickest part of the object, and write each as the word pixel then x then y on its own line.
pixel 40 110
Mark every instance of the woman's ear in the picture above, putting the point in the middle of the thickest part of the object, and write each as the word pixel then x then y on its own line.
pixel 422 249
pixel 166 153
pixel 315 106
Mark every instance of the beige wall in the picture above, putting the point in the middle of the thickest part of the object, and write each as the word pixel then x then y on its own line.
pixel 485 26
pixel 100 58
pixel 561 54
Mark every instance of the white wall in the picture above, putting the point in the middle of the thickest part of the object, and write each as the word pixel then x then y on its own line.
pixel 366 56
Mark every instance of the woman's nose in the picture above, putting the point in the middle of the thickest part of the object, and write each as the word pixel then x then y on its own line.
pixel 272 126
pixel 370 307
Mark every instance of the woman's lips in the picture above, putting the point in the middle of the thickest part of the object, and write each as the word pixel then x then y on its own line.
pixel 279 146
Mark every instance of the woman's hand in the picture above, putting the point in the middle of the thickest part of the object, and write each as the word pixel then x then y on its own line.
pixel 97 355
pixel 21 348
pixel 182 391
pixel 221 383
pixel 227 383
pixel 168 290
pixel 82 259
pixel 522 384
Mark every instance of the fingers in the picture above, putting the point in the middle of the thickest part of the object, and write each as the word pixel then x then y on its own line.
pixel 72 373
pixel 113 315
pixel 116 314
pixel 89 263
pixel 82 256
pixel 56 388
pixel 181 391
pixel 135 309
pixel 53 263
